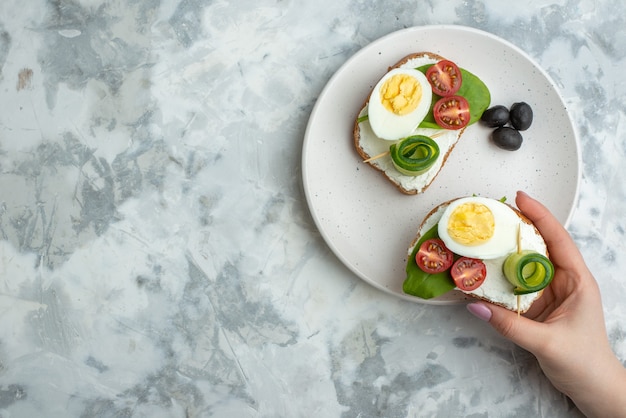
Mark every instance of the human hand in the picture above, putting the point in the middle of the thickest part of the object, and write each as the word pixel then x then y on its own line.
pixel 565 328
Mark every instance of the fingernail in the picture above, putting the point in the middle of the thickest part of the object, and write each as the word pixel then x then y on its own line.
pixel 480 310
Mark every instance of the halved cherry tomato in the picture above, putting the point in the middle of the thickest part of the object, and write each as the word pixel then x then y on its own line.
pixel 433 256
pixel 452 112
pixel 468 273
pixel 444 78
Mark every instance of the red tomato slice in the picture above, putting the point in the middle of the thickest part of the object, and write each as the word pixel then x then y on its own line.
pixel 433 256
pixel 444 78
pixel 452 112
pixel 468 273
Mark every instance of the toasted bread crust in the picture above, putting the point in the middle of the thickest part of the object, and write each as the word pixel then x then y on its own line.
pixel 523 218
pixel 357 130
pixel 420 229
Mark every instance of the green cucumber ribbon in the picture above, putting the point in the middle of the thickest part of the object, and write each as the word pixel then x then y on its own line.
pixel 528 271
pixel 414 155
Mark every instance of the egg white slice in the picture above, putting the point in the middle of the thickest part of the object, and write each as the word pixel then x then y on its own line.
pixel 390 126
pixel 504 239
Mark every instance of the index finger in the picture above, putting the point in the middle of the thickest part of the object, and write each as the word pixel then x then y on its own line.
pixel 562 248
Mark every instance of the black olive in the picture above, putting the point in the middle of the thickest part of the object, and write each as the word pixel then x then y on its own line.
pixel 495 116
pixel 521 116
pixel 507 138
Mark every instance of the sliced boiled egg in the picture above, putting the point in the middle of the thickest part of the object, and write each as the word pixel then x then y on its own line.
pixel 479 227
pixel 398 103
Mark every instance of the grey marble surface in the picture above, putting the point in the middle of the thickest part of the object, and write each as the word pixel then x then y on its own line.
pixel 157 255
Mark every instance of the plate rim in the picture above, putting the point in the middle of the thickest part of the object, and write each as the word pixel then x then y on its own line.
pixel 367 49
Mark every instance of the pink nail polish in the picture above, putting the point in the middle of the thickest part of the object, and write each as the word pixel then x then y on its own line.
pixel 480 310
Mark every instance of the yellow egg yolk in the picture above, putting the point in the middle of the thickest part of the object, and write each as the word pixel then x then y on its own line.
pixel 401 94
pixel 471 224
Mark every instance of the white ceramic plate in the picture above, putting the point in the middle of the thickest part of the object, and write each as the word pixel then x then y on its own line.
pixel 364 219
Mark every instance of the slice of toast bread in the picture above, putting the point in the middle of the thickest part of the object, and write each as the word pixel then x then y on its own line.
pixel 368 145
pixel 496 288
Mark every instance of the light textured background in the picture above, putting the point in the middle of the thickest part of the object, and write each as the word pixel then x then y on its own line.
pixel 157 254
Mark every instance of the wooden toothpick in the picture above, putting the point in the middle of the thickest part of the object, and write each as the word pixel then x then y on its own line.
pixel 375 157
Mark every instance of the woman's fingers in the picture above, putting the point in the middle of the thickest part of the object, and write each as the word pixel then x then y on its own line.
pixel 563 251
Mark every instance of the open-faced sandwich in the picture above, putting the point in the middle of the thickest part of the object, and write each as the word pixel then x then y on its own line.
pixel 482 247
pixel 415 116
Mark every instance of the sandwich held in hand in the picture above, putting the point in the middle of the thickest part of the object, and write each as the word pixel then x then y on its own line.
pixel 414 117
pixel 482 247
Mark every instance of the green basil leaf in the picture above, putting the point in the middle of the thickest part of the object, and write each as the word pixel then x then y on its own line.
pixel 421 284
pixel 472 88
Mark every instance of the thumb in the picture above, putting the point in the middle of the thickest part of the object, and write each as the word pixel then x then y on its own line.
pixel 522 331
